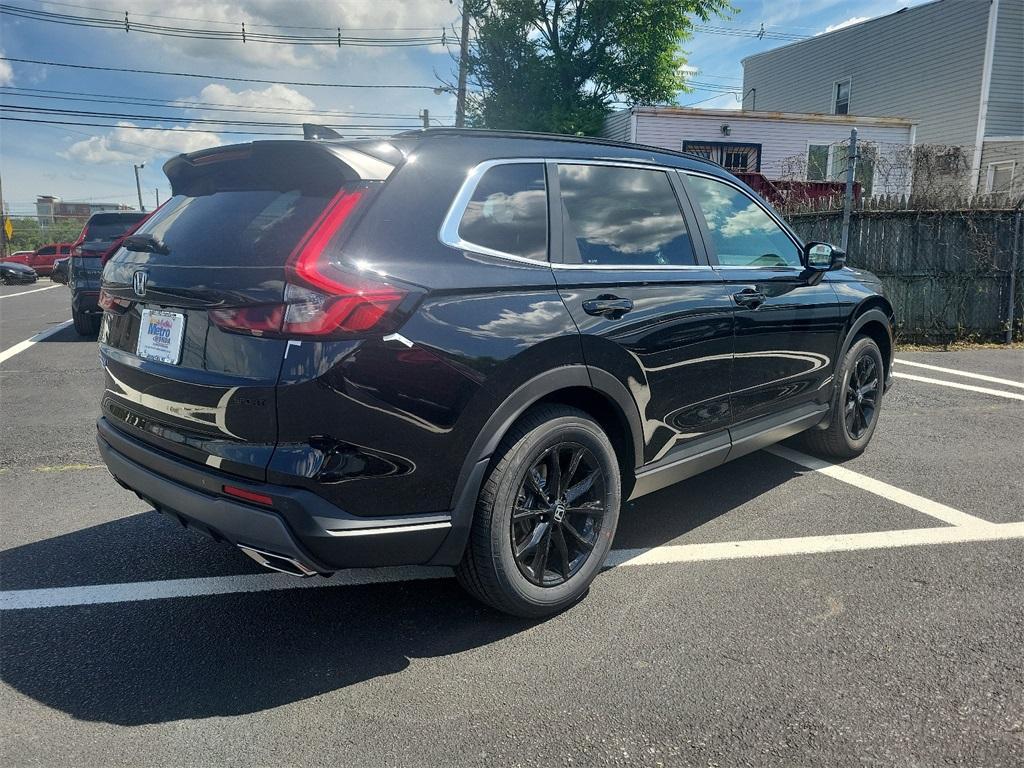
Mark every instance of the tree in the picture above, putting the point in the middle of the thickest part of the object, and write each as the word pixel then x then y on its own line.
pixel 28 235
pixel 559 65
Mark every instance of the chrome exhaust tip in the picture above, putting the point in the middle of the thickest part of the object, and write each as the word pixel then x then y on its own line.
pixel 276 562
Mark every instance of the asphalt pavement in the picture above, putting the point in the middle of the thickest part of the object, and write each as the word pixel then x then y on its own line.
pixel 762 614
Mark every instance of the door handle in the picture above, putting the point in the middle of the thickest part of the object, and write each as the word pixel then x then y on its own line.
pixel 751 298
pixel 608 306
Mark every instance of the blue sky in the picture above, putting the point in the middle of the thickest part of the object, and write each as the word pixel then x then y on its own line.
pixel 79 162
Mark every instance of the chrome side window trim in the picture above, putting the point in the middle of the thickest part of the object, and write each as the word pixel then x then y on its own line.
pixel 449 232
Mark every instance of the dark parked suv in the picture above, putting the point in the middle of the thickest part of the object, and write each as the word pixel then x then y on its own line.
pixel 467 348
pixel 101 234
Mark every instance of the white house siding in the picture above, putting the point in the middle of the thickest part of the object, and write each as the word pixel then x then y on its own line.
pixel 783 142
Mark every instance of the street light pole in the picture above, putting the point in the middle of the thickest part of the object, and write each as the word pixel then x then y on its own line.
pixel 138 186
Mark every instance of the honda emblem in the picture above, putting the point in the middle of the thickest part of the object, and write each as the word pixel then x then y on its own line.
pixel 139 282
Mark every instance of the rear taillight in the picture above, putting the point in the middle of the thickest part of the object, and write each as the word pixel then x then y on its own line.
pixel 113 303
pixel 322 298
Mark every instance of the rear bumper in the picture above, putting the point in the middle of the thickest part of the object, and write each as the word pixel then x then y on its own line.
pixel 301 526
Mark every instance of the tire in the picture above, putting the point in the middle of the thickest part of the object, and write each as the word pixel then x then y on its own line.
pixel 852 420
pixel 85 325
pixel 577 542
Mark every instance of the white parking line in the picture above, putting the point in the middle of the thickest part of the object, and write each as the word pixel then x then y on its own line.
pixel 807 545
pixel 958 385
pixel 955 372
pixel 61 597
pixel 34 290
pixel 877 487
pixel 21 346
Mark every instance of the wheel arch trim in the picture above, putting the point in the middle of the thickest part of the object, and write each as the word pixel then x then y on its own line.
pixel 474 467
pixel 863 316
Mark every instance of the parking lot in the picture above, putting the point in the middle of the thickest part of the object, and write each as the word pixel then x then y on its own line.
pixel 775 611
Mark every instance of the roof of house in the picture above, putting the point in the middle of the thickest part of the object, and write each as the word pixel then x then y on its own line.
pixel 797 117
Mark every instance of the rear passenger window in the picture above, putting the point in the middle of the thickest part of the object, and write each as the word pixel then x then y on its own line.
pixel 742 232
pixel 509 211
pixel 622 216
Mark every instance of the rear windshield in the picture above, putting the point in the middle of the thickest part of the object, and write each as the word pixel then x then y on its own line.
pixel 110 227
pixel 257 227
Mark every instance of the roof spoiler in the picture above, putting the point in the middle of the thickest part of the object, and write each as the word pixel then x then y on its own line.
pixel 314 132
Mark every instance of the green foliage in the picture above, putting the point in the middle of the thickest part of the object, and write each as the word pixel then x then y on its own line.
pixel 558 65
pixel 28 235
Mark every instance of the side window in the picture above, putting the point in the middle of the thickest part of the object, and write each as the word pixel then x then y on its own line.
pixel 742 232
pixel 508 211
pixel 817 162
pixel 841 97
pixel 623 216
pixel 47 250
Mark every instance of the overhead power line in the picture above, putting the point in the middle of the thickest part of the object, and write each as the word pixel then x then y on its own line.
pixel 333 37
pixel 329 36
pixel 218 77
pixel 190 120
pixel 292 134
pixel 143 127
pixel 209 106
pixel 230 23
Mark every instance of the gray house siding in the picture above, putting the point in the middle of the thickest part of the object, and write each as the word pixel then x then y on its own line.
pixel 1003 152
pixel 923 63
pixel 1005 115
pixel 618 126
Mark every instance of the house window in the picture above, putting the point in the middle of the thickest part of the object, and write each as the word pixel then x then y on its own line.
pixel 999 177
pixel 841 97
pixel 864 169
pixel 735 157
pixel 817 162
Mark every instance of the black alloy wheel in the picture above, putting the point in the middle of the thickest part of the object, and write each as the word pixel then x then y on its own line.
pixel 558 514
pixel 861 396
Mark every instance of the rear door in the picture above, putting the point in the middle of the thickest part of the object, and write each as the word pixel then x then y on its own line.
pixel 190 356
pixel 650 310
pixel 786 330
pixel 42 259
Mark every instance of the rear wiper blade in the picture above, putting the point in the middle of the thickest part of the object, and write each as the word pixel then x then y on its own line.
pixel 145 243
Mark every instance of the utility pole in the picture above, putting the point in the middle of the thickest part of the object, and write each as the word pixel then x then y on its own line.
pixel 851 166
pixel 138 186
pixel 3 221
pixel 460 99
pixel 425 117
pixel 156 191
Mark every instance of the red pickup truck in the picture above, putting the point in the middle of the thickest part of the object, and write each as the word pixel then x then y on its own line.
pixel 42 258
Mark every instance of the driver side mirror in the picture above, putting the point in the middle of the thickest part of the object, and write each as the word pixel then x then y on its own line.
pixel 820 258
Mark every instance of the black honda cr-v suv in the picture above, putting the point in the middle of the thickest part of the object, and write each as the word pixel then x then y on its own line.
pixel 467 348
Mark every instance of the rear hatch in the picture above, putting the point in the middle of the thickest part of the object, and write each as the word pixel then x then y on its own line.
pixel 202 301
pixel 98 236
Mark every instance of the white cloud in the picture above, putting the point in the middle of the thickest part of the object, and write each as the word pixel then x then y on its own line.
pixel 130 144
pixel 843 24
pixel 6 73
pixel 275 97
